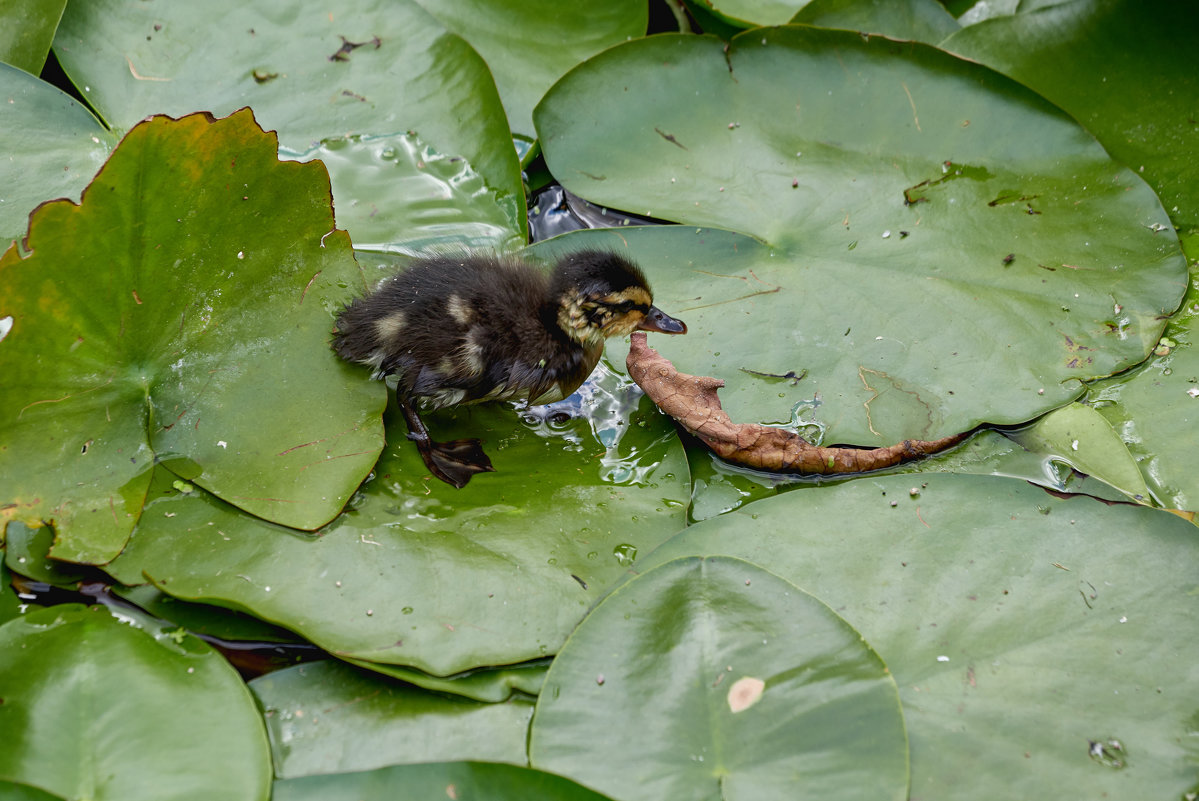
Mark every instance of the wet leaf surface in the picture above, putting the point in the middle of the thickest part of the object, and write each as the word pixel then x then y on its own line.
pixel 419 574
pixel 675 648
pixel 885 185
pixel 1017 625
pixel 165 319
pixel 1088 444
pixel 372 68
pixel 1154 411
pixel 514 36
pixel 113 707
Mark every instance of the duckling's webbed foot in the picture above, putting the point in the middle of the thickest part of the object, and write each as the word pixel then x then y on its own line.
pixel 453 462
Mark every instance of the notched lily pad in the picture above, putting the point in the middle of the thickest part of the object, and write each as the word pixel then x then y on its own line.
pixel 935 244
pixel 114 706
pixel 742 686
pixel 180 313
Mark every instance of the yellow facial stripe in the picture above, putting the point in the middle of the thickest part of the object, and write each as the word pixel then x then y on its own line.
pixel 634 294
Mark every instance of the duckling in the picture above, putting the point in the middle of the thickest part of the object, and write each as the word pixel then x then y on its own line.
pixel 458 329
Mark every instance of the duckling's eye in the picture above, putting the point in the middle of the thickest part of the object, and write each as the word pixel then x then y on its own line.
pixel 625 306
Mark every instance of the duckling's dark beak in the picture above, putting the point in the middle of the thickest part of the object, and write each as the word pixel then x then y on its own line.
pixel 660 321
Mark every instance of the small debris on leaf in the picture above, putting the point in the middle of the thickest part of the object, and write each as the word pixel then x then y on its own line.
pixel 347 47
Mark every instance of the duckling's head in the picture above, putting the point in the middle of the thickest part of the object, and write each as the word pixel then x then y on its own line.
pixel 601 294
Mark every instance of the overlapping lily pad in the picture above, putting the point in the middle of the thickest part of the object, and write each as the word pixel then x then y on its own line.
pixel 938 247
pixel 1155 412
pixel 326 717
pixel 417 573
pixel 171 317
pixel 529 44
pixel 462 781
pixel 1127 76
pixel 369 69
pixel 26 31
pixel 742 685
pixel 51 147
pixel 1087 443
pixel 1021 628
pixel 922 20
pixel 99 708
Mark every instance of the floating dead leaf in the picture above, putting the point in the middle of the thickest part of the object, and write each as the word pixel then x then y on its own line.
pixel 692 401
pixel 744 693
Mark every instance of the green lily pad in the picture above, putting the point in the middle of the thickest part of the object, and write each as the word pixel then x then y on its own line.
pixel 1020 627
pixel 26 31
pixel 398 186
pixel 739 685
pixel 181 314
pixel 494 684
pixel 25 552
pixel 921 20
pixel 461 781
pixel 748 13
pixel 1087 443
pixel 529 44
pixel 51 147
pixel 915 217
pixel 327 717
pixel 23 792
pixel 1127 76
pixel 372 68
pixel 1155 409
pixel 205 619
pixel 109 710
pixel 972 13
pixel 419 574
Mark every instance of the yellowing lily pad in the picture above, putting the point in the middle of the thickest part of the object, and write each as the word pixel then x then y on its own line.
pixel 181 314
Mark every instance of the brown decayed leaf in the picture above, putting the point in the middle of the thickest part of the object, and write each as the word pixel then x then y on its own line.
pixel 692 401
